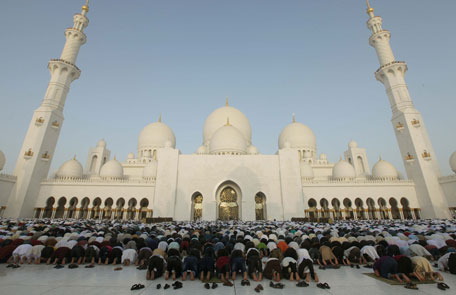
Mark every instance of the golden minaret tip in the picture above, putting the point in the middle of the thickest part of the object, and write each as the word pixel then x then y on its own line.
pixel 160 118
pixel 294 119
pixel 226 102
pixel 86 6
pixel 369 8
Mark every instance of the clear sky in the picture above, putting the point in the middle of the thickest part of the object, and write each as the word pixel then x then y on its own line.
pixel 181 58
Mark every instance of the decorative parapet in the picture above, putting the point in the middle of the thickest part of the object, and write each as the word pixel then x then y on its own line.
pixel 356 181
pixel 97 181
pixel 7 177
pixel 447 179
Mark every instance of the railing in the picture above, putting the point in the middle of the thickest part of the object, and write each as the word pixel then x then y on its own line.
pixel 66 62
pixel 388 64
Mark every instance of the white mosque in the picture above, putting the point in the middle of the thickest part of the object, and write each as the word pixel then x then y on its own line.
pixel 227 178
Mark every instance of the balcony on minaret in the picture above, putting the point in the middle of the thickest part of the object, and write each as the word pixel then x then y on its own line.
pixel 28 154
pixel 39 121
pixel 426 155
pixel 409 158
pixel 399 126
pixel 46 156
pixel 415 123
pixel 55 124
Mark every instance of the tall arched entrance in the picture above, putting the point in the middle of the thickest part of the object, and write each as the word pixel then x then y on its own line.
pixel 228 202
pixel 197 206
pixel 260 206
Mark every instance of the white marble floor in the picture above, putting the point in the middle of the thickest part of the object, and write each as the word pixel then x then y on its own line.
pixel 43 279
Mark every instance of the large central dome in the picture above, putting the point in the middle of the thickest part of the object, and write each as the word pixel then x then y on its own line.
pixel 217 119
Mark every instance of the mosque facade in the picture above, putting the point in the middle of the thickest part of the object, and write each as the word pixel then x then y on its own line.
pixel 227 178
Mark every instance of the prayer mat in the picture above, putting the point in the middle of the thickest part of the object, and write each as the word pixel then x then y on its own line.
pixel 394 282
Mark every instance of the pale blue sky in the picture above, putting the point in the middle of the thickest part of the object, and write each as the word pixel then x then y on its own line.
pixel 182 58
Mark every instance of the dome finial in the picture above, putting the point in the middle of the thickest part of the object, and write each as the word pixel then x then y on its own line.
pixel 226 102
pixel 369 8
pixel 160 118
pixel 74 158
pixel 294 118
pixel 340 159
pixel 227 121
pixel 380 158
pixel 115 158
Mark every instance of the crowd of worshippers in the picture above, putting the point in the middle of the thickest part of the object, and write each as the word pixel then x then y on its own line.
pixel 273 250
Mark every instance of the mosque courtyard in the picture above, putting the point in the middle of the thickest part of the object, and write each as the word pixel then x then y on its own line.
pixel 44 279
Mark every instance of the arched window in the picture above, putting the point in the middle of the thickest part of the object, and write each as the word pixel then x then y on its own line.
pixel 361 164
pixel 93 164
pixel 336 205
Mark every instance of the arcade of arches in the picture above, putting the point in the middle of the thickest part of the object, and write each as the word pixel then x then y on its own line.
pixel 95 209
pixel 348 210
pixel 228 207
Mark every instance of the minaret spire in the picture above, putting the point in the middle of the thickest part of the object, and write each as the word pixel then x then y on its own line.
pixel 416 148
pixel 370 10
pixel 36 154
pixel 226 102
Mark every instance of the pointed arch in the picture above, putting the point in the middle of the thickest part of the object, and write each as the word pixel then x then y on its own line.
pixel 260 206
pixel 197 206
pixel 229 201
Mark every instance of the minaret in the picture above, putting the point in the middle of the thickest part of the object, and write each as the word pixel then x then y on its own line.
pixel 418 155
pixel 35 157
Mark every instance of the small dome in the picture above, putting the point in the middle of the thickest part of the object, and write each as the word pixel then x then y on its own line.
pixel 2 160
pixel 101 143
pixel 452 162
pixel 352 144
pixel 228 139
pixel 384 170
pixel 112 170
pixel 201 150
pixel 323 157
pixel 156 135
pixel 299 136
pixel 217 119
pixel 131 156
pixel 343 170
pixel 252 150
pixel 150 170
pixel 306 171
pixel 70 169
